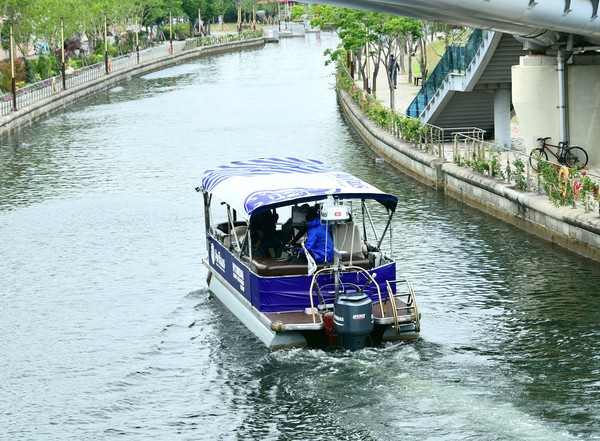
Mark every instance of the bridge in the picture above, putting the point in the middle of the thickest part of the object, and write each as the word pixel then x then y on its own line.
pixel 550 79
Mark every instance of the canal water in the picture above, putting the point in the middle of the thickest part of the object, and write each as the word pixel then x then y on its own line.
pixel 106 326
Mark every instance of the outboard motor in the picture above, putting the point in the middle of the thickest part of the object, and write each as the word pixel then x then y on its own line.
pixel 353 319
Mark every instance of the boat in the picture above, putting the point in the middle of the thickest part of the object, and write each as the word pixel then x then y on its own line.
pixel 285 293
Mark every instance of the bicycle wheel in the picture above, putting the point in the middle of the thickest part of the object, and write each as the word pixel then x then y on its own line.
pixel 576 156
pixel 537 155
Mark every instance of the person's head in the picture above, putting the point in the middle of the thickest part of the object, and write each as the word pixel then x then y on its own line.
pixel 312 213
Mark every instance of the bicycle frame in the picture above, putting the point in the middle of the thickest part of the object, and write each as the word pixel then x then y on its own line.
pixel 562 149
pixel 567 154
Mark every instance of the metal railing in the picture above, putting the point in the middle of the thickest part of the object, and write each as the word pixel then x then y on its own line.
pixel 513 167
pixel 32 93
pixel 422 135
pixel 456 59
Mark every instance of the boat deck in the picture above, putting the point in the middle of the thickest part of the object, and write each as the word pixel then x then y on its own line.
pixel 302 320
pixel 293 318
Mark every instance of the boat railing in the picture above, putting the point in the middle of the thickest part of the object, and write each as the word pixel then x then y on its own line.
pixel 335 269
pixel 411 307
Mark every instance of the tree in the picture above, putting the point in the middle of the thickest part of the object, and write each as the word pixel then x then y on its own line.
pixel 352 28
pixel 392 32
pixel 297 11
pixel 386 35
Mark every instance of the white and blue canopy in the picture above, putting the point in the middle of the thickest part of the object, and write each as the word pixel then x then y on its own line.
pixel 259 184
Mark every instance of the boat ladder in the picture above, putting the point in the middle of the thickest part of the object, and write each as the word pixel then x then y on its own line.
pixel 403 303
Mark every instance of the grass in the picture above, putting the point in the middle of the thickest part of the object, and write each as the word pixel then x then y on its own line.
pixel 432 57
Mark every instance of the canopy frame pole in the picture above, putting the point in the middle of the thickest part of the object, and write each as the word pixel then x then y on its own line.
pixel 389 223
pixel 373 226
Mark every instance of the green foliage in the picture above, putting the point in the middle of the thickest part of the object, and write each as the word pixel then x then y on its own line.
pixel 297 12
pixel 42 67
pixel 29 71
pixel 559 190
pixel 411 130
pixel 113 51
pixel 5 74
pixel 517 174
pixel 180 29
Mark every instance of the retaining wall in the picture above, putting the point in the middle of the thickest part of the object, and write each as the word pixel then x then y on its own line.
pixel 569 227
pixel 31 113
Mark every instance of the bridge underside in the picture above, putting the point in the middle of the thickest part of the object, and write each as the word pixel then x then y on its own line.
pixel 544 22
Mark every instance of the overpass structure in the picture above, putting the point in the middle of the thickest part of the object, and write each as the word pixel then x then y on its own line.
pixel 554 87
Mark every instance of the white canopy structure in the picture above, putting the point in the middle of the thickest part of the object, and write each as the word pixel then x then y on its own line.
pixel 267 183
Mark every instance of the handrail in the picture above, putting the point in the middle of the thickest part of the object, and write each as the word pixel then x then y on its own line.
pixel 456 59
pixel 514 167
pixel 411 303
pixel 330 270
pixel 394 310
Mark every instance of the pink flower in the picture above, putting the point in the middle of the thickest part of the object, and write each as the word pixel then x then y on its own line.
pixel 582 173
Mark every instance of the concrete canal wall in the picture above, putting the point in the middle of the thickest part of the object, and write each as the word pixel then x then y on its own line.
pixel 569 227
pixel 41 108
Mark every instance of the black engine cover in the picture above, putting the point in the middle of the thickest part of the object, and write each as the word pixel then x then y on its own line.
pixel 353 319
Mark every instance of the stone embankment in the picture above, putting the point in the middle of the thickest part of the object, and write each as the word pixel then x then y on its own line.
pixel 569 227
pixel 28 114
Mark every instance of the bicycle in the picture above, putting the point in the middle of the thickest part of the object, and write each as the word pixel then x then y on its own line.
pixel 569 155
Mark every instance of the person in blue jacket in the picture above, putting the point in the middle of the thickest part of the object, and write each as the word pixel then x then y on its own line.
pixel 319 242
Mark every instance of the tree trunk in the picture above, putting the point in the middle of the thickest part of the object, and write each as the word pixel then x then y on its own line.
pixel 376 68
pixel 423 57
pixel 401 55
pixel 410 56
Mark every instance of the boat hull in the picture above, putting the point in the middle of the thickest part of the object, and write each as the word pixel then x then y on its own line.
pixel 275 334
pixel 249 316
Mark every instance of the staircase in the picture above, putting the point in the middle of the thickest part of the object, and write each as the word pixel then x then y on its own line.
pixel 460 91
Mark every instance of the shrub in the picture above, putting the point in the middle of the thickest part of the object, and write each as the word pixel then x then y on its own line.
pixel 178 30
pixel 5 73
pixel 29 71
pixel 518 174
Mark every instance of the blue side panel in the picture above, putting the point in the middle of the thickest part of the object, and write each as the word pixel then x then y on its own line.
pixel 291 293
pixel 237 274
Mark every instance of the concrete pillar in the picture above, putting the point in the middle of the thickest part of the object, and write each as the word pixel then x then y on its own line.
pixel 535 97
pixel 502 117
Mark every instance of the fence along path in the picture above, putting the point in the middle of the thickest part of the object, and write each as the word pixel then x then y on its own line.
pixel 32 93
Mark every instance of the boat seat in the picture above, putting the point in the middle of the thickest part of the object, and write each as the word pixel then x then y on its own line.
pixel 348 238
pixel 266 267
pixel 229 240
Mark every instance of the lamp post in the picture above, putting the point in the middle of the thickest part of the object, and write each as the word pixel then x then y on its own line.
pixel 12 68
pixel 106 43
pixel 137 40
pixel 62 52
pixel 170 32
pixel 368 64
pixel 239 22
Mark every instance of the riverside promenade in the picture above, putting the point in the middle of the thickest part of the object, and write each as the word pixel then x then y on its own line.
pixel 39 99
pixel 575 227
